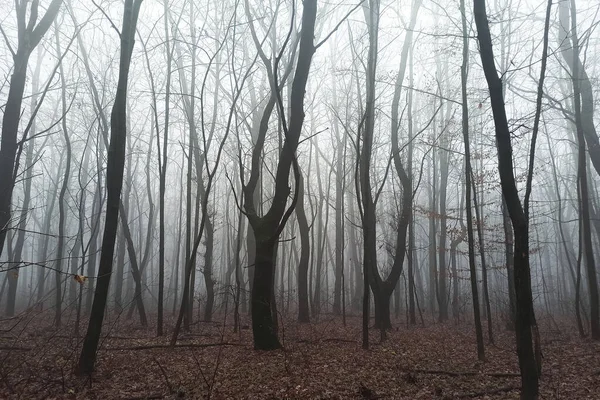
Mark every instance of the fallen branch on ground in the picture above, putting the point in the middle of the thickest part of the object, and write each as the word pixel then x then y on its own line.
pixel 325 340
pixel 168 346
pixel 503 389
pixel 464 373
pixel 14 348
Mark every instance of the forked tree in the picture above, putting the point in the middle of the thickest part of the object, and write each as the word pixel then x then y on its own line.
pixel 525 324
pixel 268 227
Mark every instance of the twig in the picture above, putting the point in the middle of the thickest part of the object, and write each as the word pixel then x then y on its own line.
pixel 162 370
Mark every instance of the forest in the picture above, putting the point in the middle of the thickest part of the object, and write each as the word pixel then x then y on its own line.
pixel 285 199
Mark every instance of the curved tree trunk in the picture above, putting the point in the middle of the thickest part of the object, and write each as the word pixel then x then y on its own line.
pixel 303 307
pixel 525 316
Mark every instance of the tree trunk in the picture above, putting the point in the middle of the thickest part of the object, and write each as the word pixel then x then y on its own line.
pixel 303 307
pixel 269 226
pixel 29 36
pixel 584 131
pixel 469 212
pixel 18 250
pixel 61 198
pixel 486 296
pixel 114 172
pixel 525 316
pixel 510 268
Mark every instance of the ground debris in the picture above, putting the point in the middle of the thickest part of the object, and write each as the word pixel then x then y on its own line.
pixel 322 360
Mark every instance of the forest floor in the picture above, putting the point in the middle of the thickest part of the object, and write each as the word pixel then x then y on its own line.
pixel 322 360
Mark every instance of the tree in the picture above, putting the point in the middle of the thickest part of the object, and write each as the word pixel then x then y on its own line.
pixel 585 131
pixel 114 172
pixel 525 324
pixel 268 227
pixel 468 187
pixel 29 35
pixel 63 191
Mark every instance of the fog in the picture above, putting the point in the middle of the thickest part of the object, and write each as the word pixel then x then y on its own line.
pixel 299 160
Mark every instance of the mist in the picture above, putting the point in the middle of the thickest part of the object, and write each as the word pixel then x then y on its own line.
pixel 253 177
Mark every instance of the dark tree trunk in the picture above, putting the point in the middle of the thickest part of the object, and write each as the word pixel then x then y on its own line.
pixel 525 317
pixel 486 295
pixel 93 256
pixel 468 187
pixel 583 113
pixel 208 271
pixel 29 35
pixel 303 307
pixel 18 249
pixel 263 327
pixel 268 227
pixel 510 269
pixel 114 172
pixel 61 198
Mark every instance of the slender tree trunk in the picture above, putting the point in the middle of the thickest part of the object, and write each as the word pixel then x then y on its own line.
pixel 303 228
pixel 486 296
pixel 29 35
pixel 582 179
pixel 525 324
pixel 18 249
pixel 510 268
pixel 468 187
pixel 115 169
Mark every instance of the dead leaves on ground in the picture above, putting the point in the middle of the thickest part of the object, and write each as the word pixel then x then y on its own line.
pixel 320 361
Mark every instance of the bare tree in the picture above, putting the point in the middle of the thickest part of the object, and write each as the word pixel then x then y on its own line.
pixel 29 34
pixel 114 172
pixel 525 324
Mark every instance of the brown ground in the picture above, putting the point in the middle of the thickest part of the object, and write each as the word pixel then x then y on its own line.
pixel 323 360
